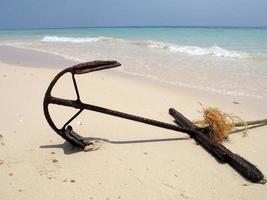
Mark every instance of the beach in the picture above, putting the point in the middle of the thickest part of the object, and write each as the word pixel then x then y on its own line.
pixel 135 161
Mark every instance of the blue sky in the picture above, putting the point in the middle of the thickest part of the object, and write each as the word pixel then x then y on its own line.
pixel 21 14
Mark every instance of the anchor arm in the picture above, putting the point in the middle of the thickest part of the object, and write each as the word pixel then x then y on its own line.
pixel 66 131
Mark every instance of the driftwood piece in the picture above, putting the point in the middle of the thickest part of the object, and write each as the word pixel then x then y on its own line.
pixel 241 165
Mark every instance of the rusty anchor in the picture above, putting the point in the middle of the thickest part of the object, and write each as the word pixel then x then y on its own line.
pixel 184 125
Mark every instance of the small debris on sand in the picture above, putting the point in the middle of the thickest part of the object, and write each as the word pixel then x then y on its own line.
pixel 145 153
pixel 1 162
pixel 1 136
pixel 65 180
pixel 55 160
pixel 2 143
pixel 53 152
pixel 79 123
pixel 235 102
pixel 20 190
pixel 88 148
pixel 245 184
pixel 92 145
pixel 184 196
pixel 10 174
pixel 72 181
pixel 4 75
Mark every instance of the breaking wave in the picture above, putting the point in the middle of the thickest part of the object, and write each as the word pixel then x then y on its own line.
pixel 75 39
pixel 170 47
pixel 198 51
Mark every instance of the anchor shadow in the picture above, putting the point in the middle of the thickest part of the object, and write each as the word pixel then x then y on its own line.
pixel 71 149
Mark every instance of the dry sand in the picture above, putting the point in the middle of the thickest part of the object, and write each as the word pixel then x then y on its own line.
pixel 137 162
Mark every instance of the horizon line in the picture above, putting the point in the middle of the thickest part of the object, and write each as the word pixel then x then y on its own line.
pixel 150 26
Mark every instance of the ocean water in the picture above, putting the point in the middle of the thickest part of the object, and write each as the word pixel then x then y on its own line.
pixel 228 61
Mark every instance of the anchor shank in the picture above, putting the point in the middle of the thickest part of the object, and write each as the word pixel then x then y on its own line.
pixel 136 118
pixel 80 105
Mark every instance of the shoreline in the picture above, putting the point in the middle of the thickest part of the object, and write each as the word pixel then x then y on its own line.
pixel 146 162
pixel 34 58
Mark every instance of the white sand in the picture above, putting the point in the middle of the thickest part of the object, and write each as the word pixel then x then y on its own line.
pixel 139 162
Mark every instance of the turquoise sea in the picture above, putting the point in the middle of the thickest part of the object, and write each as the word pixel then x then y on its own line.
pixel 225 60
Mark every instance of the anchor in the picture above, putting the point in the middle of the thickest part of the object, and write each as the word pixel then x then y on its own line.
pixel 184 125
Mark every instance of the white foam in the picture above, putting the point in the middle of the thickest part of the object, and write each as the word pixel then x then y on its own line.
pixel 74 39
pixel 171 47
pixel 197 51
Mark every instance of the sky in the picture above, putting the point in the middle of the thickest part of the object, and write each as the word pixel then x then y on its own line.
pixel 28 14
